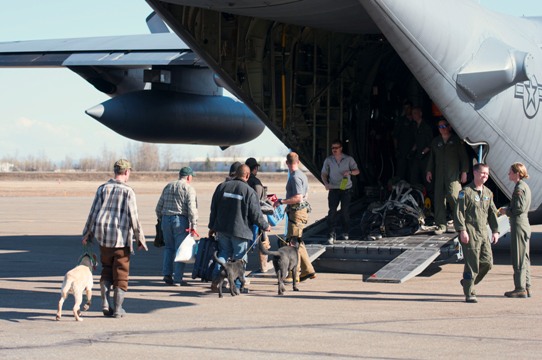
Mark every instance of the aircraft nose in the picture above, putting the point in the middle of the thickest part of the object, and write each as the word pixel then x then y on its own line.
pixel 96 112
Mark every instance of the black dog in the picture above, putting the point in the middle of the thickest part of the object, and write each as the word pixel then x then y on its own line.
pixel 285 260
pixel 232 270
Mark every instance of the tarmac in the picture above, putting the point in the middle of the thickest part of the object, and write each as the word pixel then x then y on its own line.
pixel 333 316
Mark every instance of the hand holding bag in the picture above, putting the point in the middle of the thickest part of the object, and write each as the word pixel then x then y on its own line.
pixel 186 253
pixel 159 239
pixel 277 215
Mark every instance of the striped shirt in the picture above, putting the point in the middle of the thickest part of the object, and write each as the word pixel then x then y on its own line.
pixel 179 198
pixel 113 218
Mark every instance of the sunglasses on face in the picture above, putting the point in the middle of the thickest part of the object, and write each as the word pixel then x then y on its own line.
pixel 443 126
pixel 335 147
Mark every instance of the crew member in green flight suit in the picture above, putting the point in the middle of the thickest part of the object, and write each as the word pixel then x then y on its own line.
pixel 447 169
pixel 520 231
pixel 475 210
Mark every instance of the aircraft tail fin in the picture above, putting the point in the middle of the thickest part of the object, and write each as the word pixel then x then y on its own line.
pixel 155 24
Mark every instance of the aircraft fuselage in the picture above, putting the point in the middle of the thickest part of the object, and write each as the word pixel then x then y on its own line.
pixel 312 80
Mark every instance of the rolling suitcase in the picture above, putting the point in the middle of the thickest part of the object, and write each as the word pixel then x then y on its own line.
pixel 205 263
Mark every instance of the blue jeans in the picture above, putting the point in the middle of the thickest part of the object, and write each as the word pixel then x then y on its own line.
pixel 230 247
pixel 174 229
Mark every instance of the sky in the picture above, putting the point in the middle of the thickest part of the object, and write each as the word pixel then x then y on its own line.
pixel 42 110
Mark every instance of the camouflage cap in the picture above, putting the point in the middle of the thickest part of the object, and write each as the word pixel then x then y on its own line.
pixel 122 164
pixel 185 171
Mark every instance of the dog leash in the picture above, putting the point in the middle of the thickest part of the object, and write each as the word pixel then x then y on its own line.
pixel 285 242
pixel 258 240
pixel 87 251
pixel 253 243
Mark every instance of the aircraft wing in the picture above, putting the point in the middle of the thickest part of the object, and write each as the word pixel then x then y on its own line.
pixel 161 91
pixel 122 51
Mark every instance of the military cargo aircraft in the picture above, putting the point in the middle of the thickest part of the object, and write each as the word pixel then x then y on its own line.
pixel 316 70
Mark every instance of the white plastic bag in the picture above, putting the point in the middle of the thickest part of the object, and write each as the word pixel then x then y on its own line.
pixel 186 253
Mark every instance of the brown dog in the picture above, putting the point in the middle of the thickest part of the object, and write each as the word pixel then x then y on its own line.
pixel 231 270
pixel 76 281
pixel 285 260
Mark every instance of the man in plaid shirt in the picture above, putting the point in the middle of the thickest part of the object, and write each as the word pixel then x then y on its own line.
pixel 114 222
pixel 177 210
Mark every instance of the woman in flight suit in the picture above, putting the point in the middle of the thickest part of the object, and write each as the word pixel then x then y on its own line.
pixel 520 231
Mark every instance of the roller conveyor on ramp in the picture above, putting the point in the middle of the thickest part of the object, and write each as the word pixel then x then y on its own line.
pixel 415 260
pixel 389 259
pixel 412 261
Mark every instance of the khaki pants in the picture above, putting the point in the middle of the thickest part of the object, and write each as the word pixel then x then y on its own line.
pixel 296 222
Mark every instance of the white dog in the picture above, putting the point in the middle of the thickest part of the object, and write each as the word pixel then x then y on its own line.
pixel 76 281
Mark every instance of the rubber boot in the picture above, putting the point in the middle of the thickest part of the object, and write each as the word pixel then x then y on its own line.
pixel 119 299
pixel 107 305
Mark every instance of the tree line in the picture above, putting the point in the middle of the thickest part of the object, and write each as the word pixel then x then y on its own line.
pixel 143 156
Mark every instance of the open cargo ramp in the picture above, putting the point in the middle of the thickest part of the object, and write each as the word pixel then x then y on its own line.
pixel 357 256
pixel 411 262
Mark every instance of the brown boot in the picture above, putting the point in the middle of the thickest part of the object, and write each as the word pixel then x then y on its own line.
pixel 516 294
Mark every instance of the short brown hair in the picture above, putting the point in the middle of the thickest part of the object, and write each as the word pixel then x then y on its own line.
pixel 519 168
pixel 292 158
pixel 479 166
pixel 337 142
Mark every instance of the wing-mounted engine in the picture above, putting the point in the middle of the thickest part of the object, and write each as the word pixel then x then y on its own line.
pixel 160 90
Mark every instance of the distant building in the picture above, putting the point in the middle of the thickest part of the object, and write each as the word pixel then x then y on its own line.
pixel 7 167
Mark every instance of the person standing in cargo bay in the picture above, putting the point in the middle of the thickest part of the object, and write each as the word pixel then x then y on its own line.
pixel 423 135
pixel 447 170
pixel 474 212
pixel 336 175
